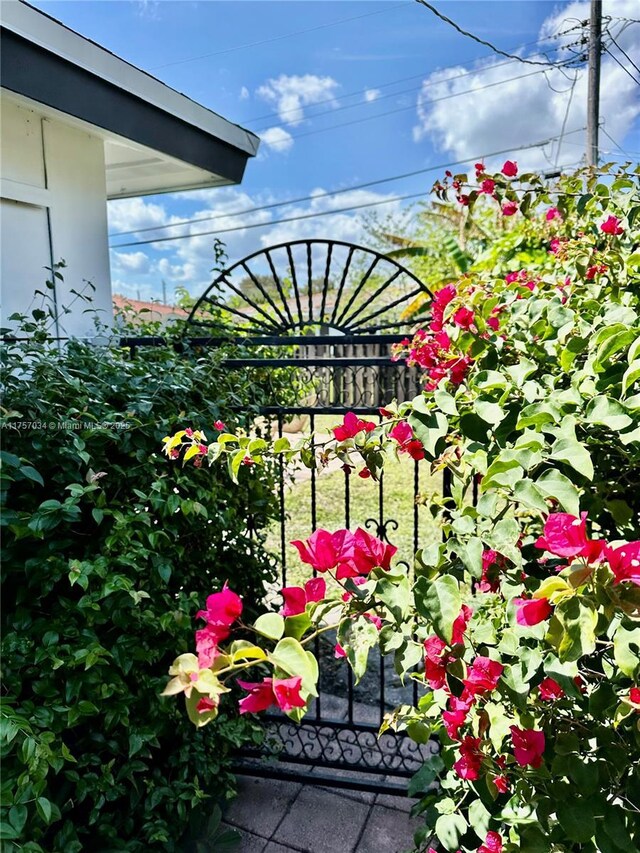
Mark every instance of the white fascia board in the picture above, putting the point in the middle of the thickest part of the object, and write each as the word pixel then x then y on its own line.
pixel 51 35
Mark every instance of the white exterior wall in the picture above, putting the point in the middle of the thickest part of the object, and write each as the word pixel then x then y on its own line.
pixel 53 207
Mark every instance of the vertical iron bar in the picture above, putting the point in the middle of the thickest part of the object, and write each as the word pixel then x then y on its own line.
pixel 347 524
pixel 309 279
pixel 283 532
pixel 416 540
pixel 382 535
pixel 314 524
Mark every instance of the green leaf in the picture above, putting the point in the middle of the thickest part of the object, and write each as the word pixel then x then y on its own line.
pixel 491 413
pixel 501 472
pixel 43 807
pixel 539 414
pixel 296 626
pixel 429 429
pixel 291 657
pixel 577 819
pixel 426 775
pixel 357 637
pixel 609 413
pixel 270 625
pixel 31 474
pixel 625 657
pixel 504 539
pixel 396 595
pixel 439 601
pixel 479 818
pixel 574 454
pixel 528 493
pixel 631 375
pixel 450 828
pixel 577 619
pixel 553 484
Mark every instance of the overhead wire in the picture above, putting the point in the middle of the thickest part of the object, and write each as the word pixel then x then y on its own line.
pixel 358 92
pixel 299 217
pixel 281 37
pixel 624 67
pixel 488 44
pixel 624 53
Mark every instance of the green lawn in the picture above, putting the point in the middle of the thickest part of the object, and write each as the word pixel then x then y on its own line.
pixel 398 504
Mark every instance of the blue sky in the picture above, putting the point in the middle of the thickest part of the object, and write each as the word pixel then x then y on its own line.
pixel 292 71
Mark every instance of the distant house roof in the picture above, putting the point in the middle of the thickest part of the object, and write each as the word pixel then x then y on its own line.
pixel 156 139
pixel 149 311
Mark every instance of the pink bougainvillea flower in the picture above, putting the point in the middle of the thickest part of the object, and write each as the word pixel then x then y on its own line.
pixel 492 843
pixel 488 186
pixel 468 765
pixel 324 550
pixel 553 213
pixel 436 660
pixel 188 432
pixel 260 696
pixel 407 442
pixel 501 780
pixel 564 535
pixel 624 562
pixel 531 611
pixel 370 552
pixel 287 693
pixel 464 318
pixel 351 427
pixel 296 598
pixel 611 225
pixel 482 676
pixel 634 697
pixel 222 610
pixel 460 624
pixel 365 473
pixel 509 208
pixel 441 298
pixel 594 270
pixel 219 425
pixel 456 715
pixel 510 169
pixel 492 563
pixel 206 704
pixel 207 640
pixel 528 746
pixel 284 692
pixel 549 690
pixel 339 651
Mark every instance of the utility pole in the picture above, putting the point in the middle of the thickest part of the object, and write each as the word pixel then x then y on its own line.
pixel 593 96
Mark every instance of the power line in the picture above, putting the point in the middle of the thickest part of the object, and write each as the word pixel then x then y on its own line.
pixel 280 37
pixel 624 53
pixel 624 68
pixel 344 209
pixel 488 44
pixel 280 113
pixel 410 107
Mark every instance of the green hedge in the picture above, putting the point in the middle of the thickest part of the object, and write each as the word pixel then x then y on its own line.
pixel 108 551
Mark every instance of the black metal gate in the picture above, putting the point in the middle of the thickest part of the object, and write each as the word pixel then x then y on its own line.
pixel 329 312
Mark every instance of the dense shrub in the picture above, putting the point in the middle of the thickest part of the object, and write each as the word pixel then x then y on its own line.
pixel 108 551
pixel 524 620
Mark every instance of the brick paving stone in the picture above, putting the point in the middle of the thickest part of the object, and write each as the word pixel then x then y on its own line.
pixel 261 804
pixel 387 831
pixel 273 847
pixel 322 822
pixel 393 801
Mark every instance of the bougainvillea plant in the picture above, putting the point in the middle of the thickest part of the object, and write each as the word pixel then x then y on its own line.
pixel 522 624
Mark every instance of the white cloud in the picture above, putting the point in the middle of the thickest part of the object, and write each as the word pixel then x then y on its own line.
pixel 244 93
pixel 525 110
pixel 132 261
pixel 277 138
pixel 371 95
pixel 128 214
pixel 290 94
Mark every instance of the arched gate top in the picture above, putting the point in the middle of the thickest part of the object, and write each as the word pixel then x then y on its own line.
pixel 309 287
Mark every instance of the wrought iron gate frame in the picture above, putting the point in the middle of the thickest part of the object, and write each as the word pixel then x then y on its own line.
pixel 366 761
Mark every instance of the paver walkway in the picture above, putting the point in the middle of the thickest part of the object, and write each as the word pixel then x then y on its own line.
pixel 288 817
